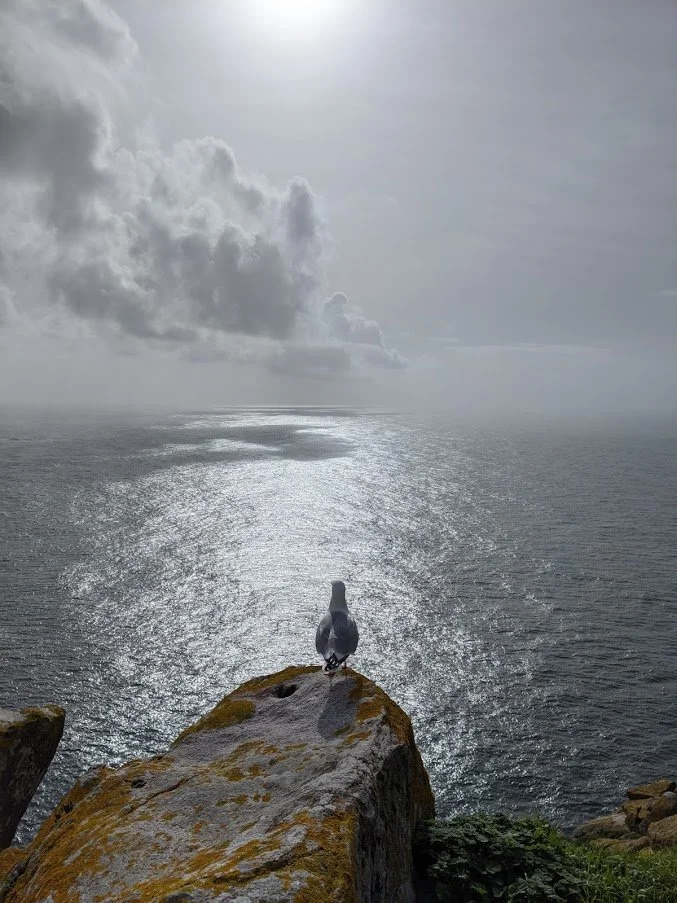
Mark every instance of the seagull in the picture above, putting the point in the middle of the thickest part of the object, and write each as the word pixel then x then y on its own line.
pixel 337 635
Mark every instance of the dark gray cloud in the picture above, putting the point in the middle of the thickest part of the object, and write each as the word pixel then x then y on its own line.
pixel 301 215
pixel 58 146
pixel 175 246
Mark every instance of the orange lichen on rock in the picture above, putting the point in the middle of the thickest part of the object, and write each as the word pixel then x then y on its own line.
pixel 374 703
pixel 11 859
pixel 293 788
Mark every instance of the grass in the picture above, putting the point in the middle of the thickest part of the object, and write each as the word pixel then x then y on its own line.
pixel 628 877
pixel 487 858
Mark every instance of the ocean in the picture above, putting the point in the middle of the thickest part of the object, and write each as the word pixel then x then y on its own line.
pixel 515 586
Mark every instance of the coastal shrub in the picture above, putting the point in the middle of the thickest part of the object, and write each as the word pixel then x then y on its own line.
pixel 486 858
pixel 492 858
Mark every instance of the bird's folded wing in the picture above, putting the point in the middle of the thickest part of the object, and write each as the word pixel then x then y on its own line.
pixel 345 637
pixel 353 635
pixel 322 635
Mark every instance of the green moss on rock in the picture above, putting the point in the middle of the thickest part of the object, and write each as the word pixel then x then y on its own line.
pixel 228 712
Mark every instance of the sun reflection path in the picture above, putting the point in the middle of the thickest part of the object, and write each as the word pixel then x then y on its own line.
pixel 206 572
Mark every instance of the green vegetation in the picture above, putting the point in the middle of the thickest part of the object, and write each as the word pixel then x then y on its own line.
pixel 487 858
pixel 627 877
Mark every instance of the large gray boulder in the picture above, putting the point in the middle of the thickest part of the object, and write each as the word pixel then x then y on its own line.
pixel 296 787
pixel 28 741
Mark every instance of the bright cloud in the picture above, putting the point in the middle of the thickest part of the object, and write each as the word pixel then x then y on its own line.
pixel 178 247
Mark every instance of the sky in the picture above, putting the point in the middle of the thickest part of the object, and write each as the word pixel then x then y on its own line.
pixel 468 206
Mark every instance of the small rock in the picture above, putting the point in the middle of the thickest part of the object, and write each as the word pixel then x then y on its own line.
pixel 602 842
pixel 663 807
pixel 630 844
pixel 623 844
pixel 609 826
pixel 663 833
pixel 655 788
pixel 28 741
pixel 636 811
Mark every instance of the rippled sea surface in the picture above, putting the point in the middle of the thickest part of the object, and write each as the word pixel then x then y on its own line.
pixel 515 588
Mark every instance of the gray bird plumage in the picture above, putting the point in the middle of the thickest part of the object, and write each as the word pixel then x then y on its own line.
pixel 337 635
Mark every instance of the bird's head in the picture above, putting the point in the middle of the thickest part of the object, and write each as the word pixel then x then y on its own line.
pixel 338 596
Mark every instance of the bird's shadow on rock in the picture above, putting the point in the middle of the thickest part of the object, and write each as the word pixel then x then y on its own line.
pixel 339 709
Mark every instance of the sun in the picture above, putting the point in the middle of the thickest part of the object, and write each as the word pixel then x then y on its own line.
pixel 292 19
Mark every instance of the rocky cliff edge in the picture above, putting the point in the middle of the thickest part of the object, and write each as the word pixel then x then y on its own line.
pixel 28 741
pixel 294 787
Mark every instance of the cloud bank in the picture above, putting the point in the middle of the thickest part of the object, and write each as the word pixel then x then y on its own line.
pixel 175 247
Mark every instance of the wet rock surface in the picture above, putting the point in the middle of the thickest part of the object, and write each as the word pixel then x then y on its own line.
pixel 293 788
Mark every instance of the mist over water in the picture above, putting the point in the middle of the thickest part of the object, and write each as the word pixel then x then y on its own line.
pixel 514 588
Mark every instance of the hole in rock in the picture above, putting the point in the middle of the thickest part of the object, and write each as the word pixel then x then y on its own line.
pixel 284 690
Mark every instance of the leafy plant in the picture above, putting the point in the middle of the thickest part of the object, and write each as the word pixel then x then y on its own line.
pixel 492 858
pixel 487 858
